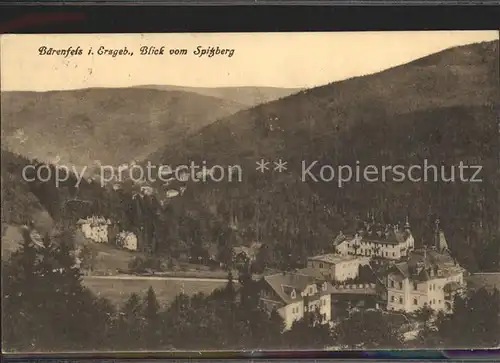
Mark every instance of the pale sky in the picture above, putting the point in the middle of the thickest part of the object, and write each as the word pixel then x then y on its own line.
pixel 259 59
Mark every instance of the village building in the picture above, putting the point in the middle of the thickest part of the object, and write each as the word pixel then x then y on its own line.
pixel 337 267
pixel 127 240
pixel 347 297
pixel 429 277
pixel 147 190
pixel 95 228
pixel 243 254
pixel 293 294
pixel 376 240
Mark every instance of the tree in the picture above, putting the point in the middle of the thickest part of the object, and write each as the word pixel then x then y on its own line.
pixel 473 322
pixel 424 315
pixel 152 320
pixel 18 313
pixel 368 329
pixel 130 323
pixel 306 333
pixel 229 289
pixel 88 257
pixel 43 284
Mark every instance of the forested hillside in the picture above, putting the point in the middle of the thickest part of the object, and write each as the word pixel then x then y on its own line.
pixel 442 108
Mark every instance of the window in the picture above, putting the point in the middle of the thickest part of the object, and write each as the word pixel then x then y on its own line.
pixel 415 302
pixel 393 254
pixel 400 300
pixel 320 265
pixel 392 298
pixel 400 285
pixel 415 285
pixel 392 283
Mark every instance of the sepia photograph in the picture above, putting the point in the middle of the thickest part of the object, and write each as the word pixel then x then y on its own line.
pixel 179 192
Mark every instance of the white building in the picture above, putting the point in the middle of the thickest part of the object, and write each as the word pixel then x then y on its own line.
pixel 375 239
pixel 147 190
pixel 429 278
pixel 292 295
pixel 95 228
pixel 337 267
pixel 127 240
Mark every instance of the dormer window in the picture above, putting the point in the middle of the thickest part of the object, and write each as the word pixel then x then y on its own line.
pixel 293 294
pixel 325 286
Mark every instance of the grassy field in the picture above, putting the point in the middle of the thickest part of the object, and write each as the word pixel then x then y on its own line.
pixel 118 291
pixel 109 259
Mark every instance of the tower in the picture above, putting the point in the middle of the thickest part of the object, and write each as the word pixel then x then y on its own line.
pixel 407 224
pixel 439 239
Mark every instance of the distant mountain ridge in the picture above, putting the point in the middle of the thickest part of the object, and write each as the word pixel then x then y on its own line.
pixel 110 125
pixel 246 95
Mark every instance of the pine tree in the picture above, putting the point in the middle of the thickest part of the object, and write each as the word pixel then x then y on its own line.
pixel 229 289
pixel 152 320
pixel 368 329
pixel 473 322
pixel 52 310
pixel 130 324
pixel 18 313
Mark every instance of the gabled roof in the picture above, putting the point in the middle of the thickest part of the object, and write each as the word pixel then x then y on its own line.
pixel 284 283
pixel 387 235
pixel 332 258
pixel 251 251
pixel 311 272
pixel 339 239
pixel 401 268
pixel 421 265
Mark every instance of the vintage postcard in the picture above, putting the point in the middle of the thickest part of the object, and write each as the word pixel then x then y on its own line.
pixel 237 191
